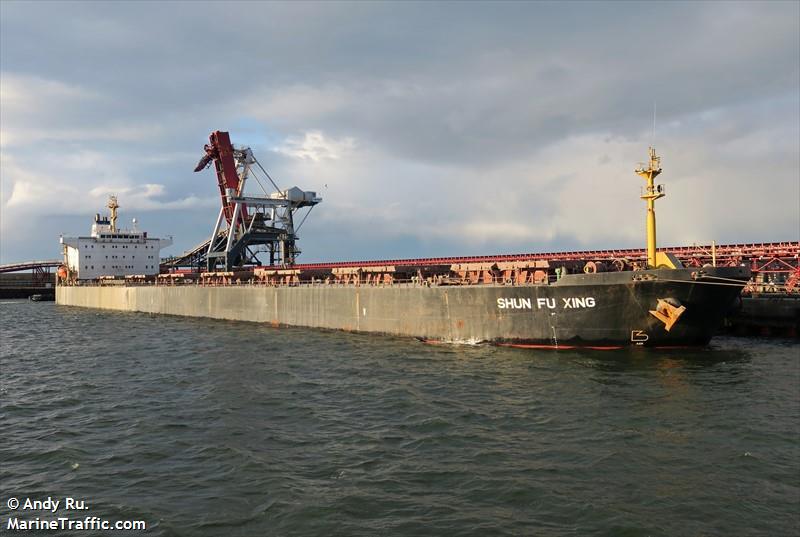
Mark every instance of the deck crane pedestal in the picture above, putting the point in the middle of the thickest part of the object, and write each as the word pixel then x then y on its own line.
pixel 250 225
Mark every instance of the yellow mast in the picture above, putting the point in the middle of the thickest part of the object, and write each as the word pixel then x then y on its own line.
pixel 113 206
pixel 651 193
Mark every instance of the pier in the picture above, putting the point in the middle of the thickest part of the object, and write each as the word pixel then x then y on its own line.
pixel 28 278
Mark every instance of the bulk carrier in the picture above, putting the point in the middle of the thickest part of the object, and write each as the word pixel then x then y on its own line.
pixel 248 270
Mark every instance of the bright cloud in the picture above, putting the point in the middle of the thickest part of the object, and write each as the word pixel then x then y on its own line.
pixel 313 145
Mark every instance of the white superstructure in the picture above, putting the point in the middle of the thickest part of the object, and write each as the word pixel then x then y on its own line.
pixel 109 251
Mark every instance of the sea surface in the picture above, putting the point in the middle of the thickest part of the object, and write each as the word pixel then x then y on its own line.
pixel 213 428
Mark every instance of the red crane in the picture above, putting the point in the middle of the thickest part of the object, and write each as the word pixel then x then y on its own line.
pixel 220 150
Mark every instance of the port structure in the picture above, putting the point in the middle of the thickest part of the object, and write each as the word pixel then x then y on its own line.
pixel 38 280
pixel 248 226
pixel 775 265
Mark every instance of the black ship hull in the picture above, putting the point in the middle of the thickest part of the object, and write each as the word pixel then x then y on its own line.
pixel 619 309
pixel 649 308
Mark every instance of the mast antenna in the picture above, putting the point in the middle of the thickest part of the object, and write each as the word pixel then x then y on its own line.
pixel 653 140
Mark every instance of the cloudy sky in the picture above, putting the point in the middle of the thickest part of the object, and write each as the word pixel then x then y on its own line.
pixel 428 128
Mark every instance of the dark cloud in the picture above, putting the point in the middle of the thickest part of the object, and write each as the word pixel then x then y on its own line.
pixel 474 91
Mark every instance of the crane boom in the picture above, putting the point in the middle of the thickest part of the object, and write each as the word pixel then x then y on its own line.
pixel 220 151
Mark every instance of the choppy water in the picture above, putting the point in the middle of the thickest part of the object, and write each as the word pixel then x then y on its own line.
pixel 211 428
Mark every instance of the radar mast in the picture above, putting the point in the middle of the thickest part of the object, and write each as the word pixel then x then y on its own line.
pixel 113 206
pixel 651 193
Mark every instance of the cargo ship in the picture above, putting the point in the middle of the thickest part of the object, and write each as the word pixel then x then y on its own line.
pixel 247 270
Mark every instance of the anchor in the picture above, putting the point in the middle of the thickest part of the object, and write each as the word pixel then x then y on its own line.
pixel 667 312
